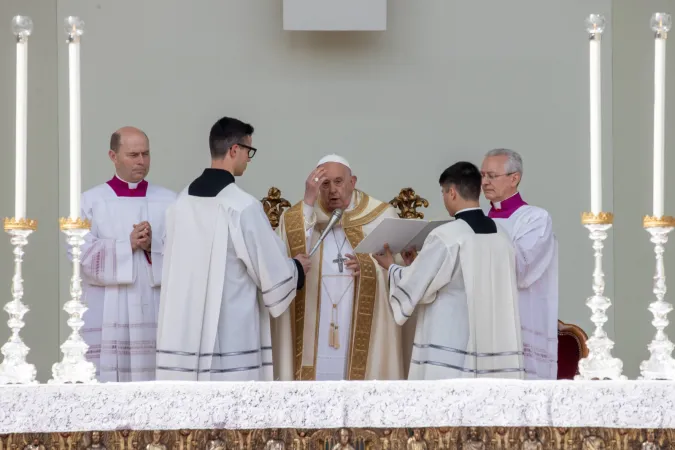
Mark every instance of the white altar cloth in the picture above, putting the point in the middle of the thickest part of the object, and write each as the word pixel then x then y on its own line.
pixel 328 404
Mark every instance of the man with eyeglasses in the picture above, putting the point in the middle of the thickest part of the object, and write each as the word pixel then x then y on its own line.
pixel 225 272
pixel 463 287
pixel 531 231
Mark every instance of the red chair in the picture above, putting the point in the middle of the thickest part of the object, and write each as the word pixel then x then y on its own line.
pixel 571 348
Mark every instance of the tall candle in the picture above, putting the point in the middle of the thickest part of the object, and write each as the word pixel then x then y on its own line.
pixel 22 27
pixel 595 25
pixel 661 24
pixel 74 29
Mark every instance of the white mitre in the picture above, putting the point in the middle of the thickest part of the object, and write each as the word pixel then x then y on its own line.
pixel 334 158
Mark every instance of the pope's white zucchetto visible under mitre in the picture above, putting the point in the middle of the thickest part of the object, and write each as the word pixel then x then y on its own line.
pixel 334 158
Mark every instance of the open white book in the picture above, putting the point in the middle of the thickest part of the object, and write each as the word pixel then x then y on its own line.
pixel 400 234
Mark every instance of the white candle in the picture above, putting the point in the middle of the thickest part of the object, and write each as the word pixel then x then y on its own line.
pixel 596 127
pixel 660 24
pixel 22 27
pixel 21 129
pixel 659 131
pixel 74 29
pixel 75 128
pixel 595 25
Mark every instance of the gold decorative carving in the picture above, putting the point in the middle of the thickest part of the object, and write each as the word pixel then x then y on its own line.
pixel 19 224
pixel 658 222
pixel 66 223
pixel 443 438
pixel 274 206
pixel 603 218
pixel 407 203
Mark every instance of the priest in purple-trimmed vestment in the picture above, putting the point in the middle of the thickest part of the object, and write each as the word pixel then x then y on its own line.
pixel 122 263
pixel 531 231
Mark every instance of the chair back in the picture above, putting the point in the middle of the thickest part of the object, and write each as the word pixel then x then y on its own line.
pixel 571 348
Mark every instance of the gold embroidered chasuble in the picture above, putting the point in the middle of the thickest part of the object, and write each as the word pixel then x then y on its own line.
pixel 375 346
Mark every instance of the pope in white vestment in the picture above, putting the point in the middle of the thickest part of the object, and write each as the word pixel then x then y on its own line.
pixel 531 230
pixel 463 284
pixel 225 273
pixel 121 281
pixel 340 325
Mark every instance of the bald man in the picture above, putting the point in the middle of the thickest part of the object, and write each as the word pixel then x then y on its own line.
pixel 122 262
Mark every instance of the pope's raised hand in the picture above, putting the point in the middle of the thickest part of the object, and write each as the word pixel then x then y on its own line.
pixel 312 185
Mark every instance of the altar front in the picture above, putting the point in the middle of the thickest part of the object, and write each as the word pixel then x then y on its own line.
pixel 453 414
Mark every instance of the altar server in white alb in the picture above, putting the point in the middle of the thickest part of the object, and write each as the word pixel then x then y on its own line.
pixel 464 284
pixel 531 231
pixel 122 263
pixel 225 272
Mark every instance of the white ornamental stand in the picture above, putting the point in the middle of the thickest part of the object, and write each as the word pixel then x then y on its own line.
pixel 599 364
pixel 660 365
pixel 74 368
pixel 14 369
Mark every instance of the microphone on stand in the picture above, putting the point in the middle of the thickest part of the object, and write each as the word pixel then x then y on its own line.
pixel 335 218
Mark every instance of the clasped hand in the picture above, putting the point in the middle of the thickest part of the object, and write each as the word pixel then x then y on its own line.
pixel 141 237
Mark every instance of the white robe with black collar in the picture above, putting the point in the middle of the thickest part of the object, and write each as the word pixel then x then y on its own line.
pixel 463 285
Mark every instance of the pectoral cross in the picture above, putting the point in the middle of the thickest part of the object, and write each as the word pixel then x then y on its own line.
pixel 340 262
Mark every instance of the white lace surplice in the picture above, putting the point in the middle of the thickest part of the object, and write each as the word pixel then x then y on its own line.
pixel 121 287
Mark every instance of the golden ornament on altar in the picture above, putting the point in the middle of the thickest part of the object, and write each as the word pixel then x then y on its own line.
pixel 445 438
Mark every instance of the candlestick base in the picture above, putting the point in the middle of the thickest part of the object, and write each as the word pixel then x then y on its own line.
pixel 660 365
pixel 74 368
pixel 14 369
pixel 599 364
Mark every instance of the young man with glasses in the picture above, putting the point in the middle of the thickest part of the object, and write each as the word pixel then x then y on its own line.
pixel 225 272
pixel 531 231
